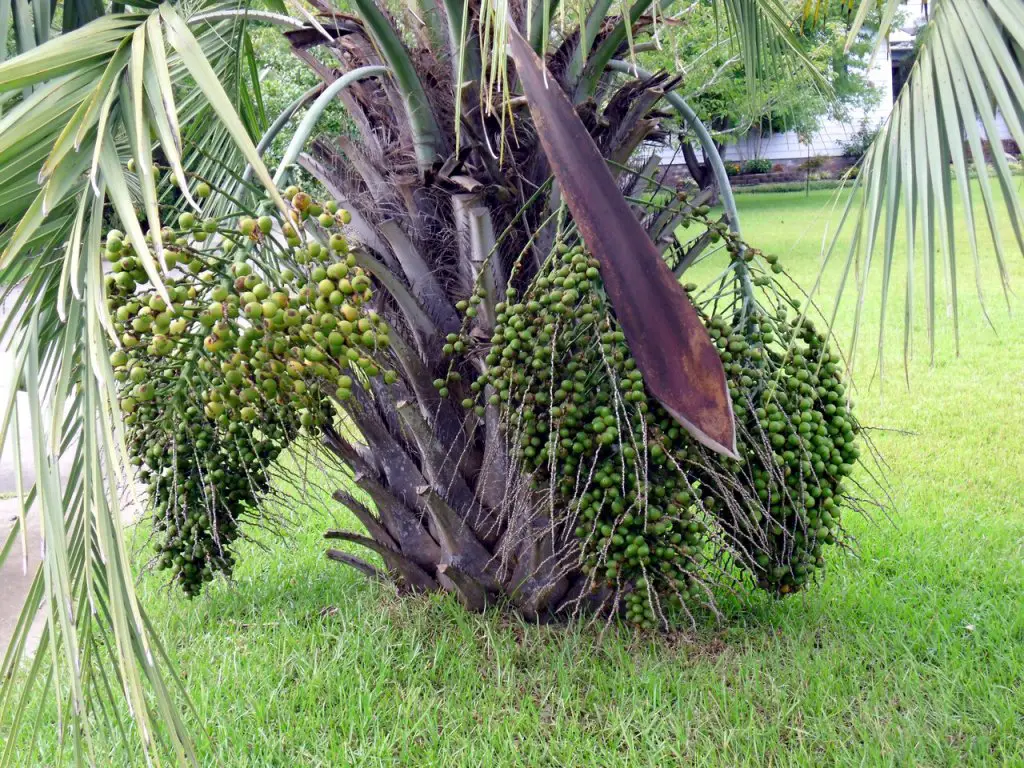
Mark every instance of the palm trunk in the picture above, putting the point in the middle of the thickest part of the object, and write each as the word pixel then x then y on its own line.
pixel 451 510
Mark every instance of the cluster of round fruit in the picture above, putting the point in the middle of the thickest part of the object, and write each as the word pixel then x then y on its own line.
pixel 588 433
pixel 256 339
pixel 639 494
pixel 798 438
pixel 203 482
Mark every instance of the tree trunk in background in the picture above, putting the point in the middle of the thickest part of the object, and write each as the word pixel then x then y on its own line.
pixel 701 171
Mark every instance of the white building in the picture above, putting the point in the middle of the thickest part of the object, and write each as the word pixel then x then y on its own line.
pixel 833 135
pixel 888 72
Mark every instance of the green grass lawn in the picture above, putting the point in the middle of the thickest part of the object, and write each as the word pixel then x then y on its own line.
pixel 909 653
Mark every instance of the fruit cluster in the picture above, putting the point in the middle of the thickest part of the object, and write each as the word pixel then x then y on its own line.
pixel 589 434
pixel 261 331
pixel 649 507
pixel 256 329
pixel 798 438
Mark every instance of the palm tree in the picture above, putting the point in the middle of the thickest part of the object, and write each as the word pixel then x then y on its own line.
pixel 463 175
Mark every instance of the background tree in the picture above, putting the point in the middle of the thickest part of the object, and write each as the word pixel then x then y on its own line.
pixel 789 98
pixel 435 210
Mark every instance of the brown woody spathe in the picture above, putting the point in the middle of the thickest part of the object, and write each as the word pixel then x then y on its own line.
pixel 681 367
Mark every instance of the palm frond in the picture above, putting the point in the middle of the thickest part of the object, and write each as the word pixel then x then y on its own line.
pixel 305 128
pixel 765 39
pixel 426 135
pixel 967 75
pixel 78 107
pixel 761 30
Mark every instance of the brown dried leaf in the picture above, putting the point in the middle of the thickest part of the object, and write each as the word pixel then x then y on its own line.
pixel 680 364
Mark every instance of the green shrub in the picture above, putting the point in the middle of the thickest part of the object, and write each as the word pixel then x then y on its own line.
pixel 861 141
pixel 758 165
pixel 813 163
pixel 732 169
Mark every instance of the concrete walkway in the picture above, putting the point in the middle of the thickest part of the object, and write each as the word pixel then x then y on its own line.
pixel 16 574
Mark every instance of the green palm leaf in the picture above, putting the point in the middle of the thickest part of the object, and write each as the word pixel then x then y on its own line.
pixel 78 106
pixel 967 75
